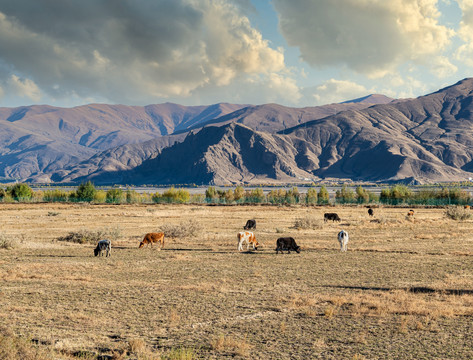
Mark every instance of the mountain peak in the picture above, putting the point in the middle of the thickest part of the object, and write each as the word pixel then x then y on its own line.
pixel 371 99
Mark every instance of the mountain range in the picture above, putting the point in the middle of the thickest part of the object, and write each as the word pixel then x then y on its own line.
pixel 422 140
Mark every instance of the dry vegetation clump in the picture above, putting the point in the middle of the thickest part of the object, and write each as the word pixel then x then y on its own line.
pixel 7 242
pixel 229 344
pixel 181 353
pixel 188 228
pixel 85 236
pixel 14 347
pixel 307 222
pixel 457 213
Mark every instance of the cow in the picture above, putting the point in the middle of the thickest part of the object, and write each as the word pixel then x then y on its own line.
pixel 370 212
pixel 151 238
pixel 287 243
pixel 410 213
pixel 250 224
pixel 343 240
pixel 467 207
pixel 103 245
pixel 249 238
pixel 331 216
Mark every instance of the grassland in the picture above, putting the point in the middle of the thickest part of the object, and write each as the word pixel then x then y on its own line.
pixel 404 289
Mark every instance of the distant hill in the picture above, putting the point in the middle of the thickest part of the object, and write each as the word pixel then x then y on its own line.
pixel 42 142
pixel 427 139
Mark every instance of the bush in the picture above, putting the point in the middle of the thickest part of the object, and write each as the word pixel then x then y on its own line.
pixel 114 196
pixel 133 197
pixel 457 213
pixel 307 222
pixel 85 192
pixel 239 193
pixel 179 196
pixel 188 228
pixel 56 195
pixel 8 242
pixel 85 236
pixel 211 194
pixel 21 192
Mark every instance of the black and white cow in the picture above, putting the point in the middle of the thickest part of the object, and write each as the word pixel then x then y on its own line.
pixel 343 240
pixel 103 245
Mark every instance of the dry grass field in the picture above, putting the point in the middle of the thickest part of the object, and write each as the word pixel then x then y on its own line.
pixel 404 289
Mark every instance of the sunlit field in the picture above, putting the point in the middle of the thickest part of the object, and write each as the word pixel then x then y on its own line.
pixel 403 290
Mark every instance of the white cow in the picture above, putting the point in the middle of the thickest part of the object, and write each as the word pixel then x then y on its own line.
pixel 343 240
pixel 249 238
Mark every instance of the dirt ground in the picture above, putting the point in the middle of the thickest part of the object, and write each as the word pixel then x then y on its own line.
pixel 403 290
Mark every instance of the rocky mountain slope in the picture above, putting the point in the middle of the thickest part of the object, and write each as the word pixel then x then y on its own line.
pixel 41 143
pixel 427 139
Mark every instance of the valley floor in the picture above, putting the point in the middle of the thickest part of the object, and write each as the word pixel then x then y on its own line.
pixel 404 289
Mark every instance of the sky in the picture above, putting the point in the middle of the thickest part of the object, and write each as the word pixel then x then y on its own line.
pixel 199 52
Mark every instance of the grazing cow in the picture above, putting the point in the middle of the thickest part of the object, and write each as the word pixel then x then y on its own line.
pixel 343 240
pixel 151 238
pixel 250 224
pixel 410 213
pixel 103 245
pixel 249 238
pixel 331 216
pixel 287 243
pixel 370 212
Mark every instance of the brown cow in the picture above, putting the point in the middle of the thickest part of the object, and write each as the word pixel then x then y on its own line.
pixel 410 213
pixel 467 207
pixel 151 238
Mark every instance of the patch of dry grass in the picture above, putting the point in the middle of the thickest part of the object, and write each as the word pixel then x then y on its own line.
pixel 176 303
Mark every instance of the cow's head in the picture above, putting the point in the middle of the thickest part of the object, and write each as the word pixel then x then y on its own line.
pixel 141 245
pixel 298 249
pixel 256 245
pixel 96 251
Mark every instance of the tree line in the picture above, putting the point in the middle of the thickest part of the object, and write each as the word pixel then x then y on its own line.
pixel 394 195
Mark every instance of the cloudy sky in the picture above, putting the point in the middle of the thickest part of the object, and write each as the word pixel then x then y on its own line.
pixel 293 52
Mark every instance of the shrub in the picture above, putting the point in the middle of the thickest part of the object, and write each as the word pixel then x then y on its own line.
pixel 457 213
pixel 100 196
pixel 362 196
pixel 187 228
pixel 56 195
pixel 255 196
pixel 3 193
pixel 180 354
pixel 156 197
pixel 21 192
pixel 85 192
pixel 179 196
pixel 85 236
pixel 7 242
pixel 114 196
pixel 306 222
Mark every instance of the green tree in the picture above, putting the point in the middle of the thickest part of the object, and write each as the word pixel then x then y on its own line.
pixel 324 196
pixel 114 196
pixel 311 197
pixel 86 191
pixel 239 193
pixel 21 191
pixel 211 194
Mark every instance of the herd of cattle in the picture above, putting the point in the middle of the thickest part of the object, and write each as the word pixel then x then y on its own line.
pixel 248 237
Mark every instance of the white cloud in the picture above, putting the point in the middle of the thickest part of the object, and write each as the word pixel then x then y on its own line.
pixel 335 91
pixel 24 88
pixel 465 52
pixel 372 37
pixel 132 52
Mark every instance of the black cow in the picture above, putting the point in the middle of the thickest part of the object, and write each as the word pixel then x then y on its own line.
pixel 250 224
pixel 331 216
pixel 287 243
pixel 370 212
